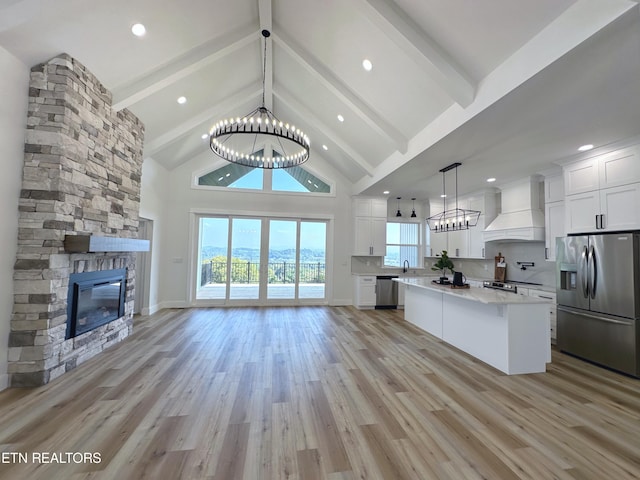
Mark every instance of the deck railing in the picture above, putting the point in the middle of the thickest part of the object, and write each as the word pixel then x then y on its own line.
pixel 249 272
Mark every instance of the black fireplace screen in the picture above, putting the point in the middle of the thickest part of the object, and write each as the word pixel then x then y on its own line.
pixel 94 299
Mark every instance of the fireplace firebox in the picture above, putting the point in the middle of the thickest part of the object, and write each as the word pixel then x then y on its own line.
pixel 95 299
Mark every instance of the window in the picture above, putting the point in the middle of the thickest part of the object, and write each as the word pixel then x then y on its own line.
pixel 403 243
pixel 293 179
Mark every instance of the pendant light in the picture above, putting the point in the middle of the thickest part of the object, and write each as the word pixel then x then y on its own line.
pixel 413 210
pixel 456 218
pixel 235 139
pixel 398 213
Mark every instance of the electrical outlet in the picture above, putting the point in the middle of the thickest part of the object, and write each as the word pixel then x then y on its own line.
pixel 486 267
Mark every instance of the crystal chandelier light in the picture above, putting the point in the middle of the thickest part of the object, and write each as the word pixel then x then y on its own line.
pixel 237 139
pixel 455 218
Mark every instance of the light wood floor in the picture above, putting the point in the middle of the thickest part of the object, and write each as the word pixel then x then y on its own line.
pixel 318 392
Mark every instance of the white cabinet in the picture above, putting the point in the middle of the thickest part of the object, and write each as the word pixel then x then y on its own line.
pixel 602 192
pixel 370 207
pixel 609 209
pixel 551 296
pixel 364 291
pixel 370 226
pixel 554 188
pixel 554 214
pixel 370 236
pixel 478 248
pixel 613 169
pixel 458 244
pixel 554 219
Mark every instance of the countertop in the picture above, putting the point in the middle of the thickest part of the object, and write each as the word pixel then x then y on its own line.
pixel 476 294
pixel 431 276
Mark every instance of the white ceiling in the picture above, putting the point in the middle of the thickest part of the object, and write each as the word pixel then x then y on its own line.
pixel 504 86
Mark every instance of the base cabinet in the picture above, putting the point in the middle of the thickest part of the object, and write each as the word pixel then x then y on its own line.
pixel 552 309
pixel 364 291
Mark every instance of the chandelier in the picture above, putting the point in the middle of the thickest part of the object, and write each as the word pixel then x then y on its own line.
pixel 456 218
pixel 237 139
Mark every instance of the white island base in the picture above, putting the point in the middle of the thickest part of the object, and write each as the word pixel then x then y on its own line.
pixel 507 331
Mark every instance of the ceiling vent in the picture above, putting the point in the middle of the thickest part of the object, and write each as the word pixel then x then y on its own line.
pixel 521 218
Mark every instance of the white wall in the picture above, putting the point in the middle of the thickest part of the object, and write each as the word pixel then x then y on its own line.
pixel 182 200
pixel 14 83
pixel 153 202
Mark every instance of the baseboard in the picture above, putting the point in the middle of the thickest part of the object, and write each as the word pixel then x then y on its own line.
pixel 4 381
pixel 173 304
pixel 151 310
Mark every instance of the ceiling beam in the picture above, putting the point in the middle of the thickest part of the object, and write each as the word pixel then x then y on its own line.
pixel 311 119
pixel 182 66
pixel 266 20
pixel 325 76
pixel 213 114
pixel 408 35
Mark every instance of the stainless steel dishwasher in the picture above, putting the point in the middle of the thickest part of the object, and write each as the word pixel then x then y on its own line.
pixel 386 291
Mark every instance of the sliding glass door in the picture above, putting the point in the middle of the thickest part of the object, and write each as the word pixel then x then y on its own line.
pixel 260 260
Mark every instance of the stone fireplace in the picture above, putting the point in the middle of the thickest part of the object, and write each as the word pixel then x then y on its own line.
pixel 81 176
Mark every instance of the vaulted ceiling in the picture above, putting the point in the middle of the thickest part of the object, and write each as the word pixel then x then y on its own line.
pixel 503 86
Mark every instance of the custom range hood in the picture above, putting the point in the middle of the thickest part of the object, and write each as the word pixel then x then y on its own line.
pixel 521 218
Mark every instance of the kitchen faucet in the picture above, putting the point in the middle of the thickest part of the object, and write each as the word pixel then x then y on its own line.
pixel 405 266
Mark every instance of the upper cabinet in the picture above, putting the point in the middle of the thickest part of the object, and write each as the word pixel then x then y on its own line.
pixel 613 169
pixel 554 214
pixel 370 207
pixel 603 192
pixel 370 226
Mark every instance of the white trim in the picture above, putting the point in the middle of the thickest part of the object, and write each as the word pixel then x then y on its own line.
pixel 4 381
pixel 173 304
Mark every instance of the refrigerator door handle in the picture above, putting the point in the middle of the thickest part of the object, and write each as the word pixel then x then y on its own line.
pixel 593 275
pixel 583 313
pixel 583 273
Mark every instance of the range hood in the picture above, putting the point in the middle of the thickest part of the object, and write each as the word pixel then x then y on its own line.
pixel 521 218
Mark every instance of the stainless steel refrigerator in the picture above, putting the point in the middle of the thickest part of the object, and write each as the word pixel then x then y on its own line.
pixel 598 295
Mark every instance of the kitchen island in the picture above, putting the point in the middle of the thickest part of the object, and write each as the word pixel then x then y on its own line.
pixel 509 332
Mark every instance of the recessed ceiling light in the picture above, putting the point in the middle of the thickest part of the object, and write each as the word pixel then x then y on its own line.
pixel 182 100
pixel 584 148
pixel 490 180
pixel 138 30
pixel 325 147
pixel 443 196
pixel 341 118
pixel 367 65
pixel 204 136
pixel 386 192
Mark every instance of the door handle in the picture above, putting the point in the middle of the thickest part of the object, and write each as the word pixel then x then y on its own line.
pixel 482 252
pixel 546 253
pixel 583 269
pixel 592 271
pixel 602 221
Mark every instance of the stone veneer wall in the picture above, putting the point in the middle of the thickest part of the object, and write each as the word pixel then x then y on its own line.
pixel 82 172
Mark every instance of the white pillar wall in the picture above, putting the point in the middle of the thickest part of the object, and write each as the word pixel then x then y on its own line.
pixel 13 118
